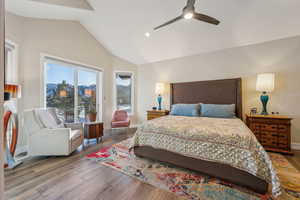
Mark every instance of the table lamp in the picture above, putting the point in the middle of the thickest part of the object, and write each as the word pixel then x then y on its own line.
pixel 265 84
pixel 159 90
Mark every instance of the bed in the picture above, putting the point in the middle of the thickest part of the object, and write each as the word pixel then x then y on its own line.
pixel 222 148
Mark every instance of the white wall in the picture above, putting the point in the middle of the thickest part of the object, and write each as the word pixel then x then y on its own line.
pixel 281 57
pixel 64 39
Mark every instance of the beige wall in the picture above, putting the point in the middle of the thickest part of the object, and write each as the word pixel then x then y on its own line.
pixel 281 57
pixel 64 39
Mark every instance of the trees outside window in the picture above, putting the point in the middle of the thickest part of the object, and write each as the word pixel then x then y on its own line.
pixel 73 90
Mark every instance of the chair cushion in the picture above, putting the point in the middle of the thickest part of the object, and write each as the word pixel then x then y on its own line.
pixel 120 124
pixel 120 115
pixel 53 112
pixel 46 118
pixel 75 134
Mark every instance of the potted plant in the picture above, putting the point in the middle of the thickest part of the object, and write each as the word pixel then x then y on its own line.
pixel 92 112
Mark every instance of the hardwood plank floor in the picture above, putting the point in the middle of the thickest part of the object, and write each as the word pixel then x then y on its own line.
pixel 76 178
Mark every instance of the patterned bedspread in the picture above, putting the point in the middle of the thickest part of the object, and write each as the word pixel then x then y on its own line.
pixel 226 141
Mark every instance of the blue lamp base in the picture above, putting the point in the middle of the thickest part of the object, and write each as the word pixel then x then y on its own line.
pixel 159 100
pixel 264 100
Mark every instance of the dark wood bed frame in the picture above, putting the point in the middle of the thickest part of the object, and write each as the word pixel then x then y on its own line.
pixel 228 91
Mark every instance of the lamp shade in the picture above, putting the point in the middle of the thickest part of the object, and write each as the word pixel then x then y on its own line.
pixel 14 90
pixel 265 82
pixel 160 88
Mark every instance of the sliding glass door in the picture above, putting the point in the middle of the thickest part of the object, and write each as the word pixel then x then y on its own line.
pixel 87 93
pixel 75 90
pixel 60 90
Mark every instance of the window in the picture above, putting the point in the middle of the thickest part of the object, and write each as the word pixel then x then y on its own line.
pixel 11 70
pixel 124 91
pixel 73 89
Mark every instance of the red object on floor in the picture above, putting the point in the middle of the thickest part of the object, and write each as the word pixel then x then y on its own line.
pixel 14 136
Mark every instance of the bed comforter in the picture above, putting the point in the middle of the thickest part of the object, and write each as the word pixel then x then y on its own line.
pixel 226 141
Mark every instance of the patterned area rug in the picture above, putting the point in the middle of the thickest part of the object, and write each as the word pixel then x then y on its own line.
pixel 191 185
pixel 289 176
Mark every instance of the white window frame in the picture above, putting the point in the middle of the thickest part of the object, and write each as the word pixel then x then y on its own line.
pixel 78 66
pixel 132 90
pixel 12 74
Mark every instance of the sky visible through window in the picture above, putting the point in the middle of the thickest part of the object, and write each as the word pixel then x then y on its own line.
pixel 61 91
pixel 56 73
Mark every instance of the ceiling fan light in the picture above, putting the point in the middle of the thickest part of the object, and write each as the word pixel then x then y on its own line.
pixel 188 15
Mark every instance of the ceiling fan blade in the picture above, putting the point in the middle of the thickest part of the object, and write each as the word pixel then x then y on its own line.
pixel 169 22
pixel 191 3
pixel 206 18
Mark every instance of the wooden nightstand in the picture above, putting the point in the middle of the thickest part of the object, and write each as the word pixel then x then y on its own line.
pixel 272 131
pixel 152 114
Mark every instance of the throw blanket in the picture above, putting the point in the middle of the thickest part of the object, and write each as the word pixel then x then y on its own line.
pixel 226 141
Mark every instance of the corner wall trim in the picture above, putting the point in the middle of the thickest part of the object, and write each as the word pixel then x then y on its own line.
pixel 296 146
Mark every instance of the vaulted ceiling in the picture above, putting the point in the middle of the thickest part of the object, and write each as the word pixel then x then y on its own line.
pixel 81 4
pixel 120 25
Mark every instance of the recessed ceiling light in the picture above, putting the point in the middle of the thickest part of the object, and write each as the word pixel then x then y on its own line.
pixel 147 34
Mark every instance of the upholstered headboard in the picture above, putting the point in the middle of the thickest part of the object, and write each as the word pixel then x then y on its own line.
pixel 227 91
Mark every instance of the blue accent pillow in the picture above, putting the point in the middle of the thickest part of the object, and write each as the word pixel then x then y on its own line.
pixel 189 110
pixel 218 111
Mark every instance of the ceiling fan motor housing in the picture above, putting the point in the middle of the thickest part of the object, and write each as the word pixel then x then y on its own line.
pixel 188 9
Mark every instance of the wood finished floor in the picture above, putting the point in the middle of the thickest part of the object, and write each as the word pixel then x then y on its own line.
pixel 76 178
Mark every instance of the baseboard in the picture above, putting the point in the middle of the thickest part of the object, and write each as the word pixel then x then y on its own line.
pixel 134 125
pixel 296 146
pixel 21 149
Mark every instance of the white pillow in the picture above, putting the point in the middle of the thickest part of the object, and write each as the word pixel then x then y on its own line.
pixel 47 119
pixel 52 111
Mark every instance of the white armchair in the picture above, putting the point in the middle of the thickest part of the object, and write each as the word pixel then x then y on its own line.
pixel 48 137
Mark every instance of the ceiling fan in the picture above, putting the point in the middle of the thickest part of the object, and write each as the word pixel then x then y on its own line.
pixel 189 13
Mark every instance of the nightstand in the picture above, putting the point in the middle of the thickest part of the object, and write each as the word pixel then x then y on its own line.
pixel 152 114
pixel 272 131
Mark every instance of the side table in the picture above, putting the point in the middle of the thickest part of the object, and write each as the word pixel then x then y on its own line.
pixel 93 130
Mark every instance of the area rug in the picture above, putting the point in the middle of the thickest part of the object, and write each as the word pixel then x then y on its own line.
pixel 188 184
pixel 289 176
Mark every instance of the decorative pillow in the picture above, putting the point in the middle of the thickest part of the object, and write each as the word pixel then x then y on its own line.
pixel 218 111
pixel 47 119
pixel 53 112
pixel 189 110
